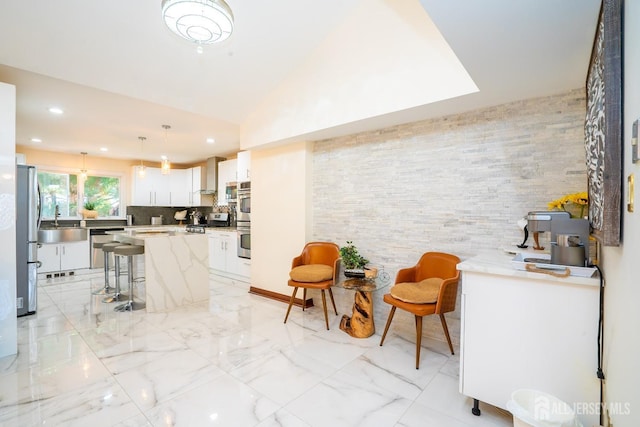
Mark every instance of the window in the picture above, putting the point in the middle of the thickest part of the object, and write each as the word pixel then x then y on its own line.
pixel 70 192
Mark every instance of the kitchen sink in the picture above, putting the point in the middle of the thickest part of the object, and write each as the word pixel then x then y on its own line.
pixel 61 234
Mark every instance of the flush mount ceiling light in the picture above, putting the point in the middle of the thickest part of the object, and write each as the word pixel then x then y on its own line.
pixel 199 21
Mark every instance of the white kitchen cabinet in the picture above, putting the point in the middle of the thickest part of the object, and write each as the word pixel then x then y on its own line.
pixel 223 256
pixel 227 171
pixel 527 330
pixel 63 256
pixel 223 251
pixel 198 181
pixel 244 166
pixel 179 181
pixel 150 190
pixel 181 187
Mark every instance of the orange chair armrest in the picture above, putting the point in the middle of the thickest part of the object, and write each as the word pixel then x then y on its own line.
pixel 448 293
pixel 297 261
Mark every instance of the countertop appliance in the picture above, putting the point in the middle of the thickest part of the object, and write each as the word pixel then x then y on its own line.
pixel 28 203
pixel 560 224
pixel 219 219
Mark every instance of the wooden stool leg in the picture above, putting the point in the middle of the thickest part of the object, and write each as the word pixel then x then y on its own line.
pixel 418 339
pixel 293 297
pixel 324 307
pixel 386 328
pixel 446 331
pixel 304 298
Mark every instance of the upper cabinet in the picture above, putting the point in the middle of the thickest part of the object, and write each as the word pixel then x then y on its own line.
pixel 181 187
pixel 197 181
pixel 227 171
pixel 244 166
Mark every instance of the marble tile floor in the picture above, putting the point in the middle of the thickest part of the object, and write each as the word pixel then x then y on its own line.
pixel 229 362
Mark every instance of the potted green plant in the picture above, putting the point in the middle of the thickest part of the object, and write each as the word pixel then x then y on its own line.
pixel 89 210
pixel 352 262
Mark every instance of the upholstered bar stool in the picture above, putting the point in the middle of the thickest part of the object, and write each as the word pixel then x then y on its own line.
pixel 107 289
pixel 107 248
pixel 130 251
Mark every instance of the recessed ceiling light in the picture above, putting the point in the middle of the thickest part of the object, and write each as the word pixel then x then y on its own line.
pixel 163 157
pixel 104 149
pixel 36 140
pixel 56 110
pixel 211 141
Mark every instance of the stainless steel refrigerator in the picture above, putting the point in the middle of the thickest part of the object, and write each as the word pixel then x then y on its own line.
pixel 28 204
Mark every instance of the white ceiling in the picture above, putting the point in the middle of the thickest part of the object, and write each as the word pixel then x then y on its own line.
pixel 119 73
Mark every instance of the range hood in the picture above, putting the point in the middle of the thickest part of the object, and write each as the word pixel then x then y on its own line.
pixel 212 175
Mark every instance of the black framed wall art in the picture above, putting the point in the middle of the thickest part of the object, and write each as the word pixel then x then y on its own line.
pixel 603 126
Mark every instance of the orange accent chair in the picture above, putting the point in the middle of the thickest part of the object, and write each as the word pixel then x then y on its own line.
pixel 314 268
pixel 435 270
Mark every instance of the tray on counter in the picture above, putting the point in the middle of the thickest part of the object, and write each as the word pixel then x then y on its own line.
pixel 543 261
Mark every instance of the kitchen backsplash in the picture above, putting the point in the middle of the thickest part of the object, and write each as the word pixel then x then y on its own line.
pixel 142 214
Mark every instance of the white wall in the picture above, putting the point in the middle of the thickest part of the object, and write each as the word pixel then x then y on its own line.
pixel 622 294
pixel 336 84
pixel 8 321
pixel 280 213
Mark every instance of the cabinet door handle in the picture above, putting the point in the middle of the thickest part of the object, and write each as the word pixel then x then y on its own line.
pixel 150 197
pixel 64 250
pixel 57 249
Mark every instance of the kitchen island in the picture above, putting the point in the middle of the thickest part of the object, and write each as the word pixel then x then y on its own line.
pixel 175 265
pixel 522 329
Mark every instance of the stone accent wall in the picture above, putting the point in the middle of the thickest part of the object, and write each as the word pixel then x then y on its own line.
pixel 454 184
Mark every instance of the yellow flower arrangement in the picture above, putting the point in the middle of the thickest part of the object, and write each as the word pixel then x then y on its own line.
pixel 575 201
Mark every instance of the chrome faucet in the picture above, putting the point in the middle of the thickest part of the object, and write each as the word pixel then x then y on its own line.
pixel 56 214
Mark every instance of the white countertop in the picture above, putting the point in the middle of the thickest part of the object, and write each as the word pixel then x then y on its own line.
pixel 500 263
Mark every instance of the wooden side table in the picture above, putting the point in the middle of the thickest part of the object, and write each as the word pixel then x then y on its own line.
pixel 361 323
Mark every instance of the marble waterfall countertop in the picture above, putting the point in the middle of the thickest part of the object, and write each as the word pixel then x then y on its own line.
pixel 176 265
pixel 500 262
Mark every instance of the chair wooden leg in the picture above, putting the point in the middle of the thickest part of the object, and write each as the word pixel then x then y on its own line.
pixel 418 339
pixel 446 331
pixel 293 297
pixel 333 302
pixel 324 307
pixel 386 328
pixel 304 298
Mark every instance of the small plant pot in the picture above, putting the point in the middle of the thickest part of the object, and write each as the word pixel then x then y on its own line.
pixel 89 214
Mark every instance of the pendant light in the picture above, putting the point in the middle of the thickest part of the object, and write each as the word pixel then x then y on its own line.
pixel 141 170
pixel 165 166
pixel 83 171
pixel 199 21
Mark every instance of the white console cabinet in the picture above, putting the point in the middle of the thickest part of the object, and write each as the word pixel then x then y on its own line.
pixel 527 330
pixel 63 256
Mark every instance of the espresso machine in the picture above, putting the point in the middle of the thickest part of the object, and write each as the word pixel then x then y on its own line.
pixel 569 237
